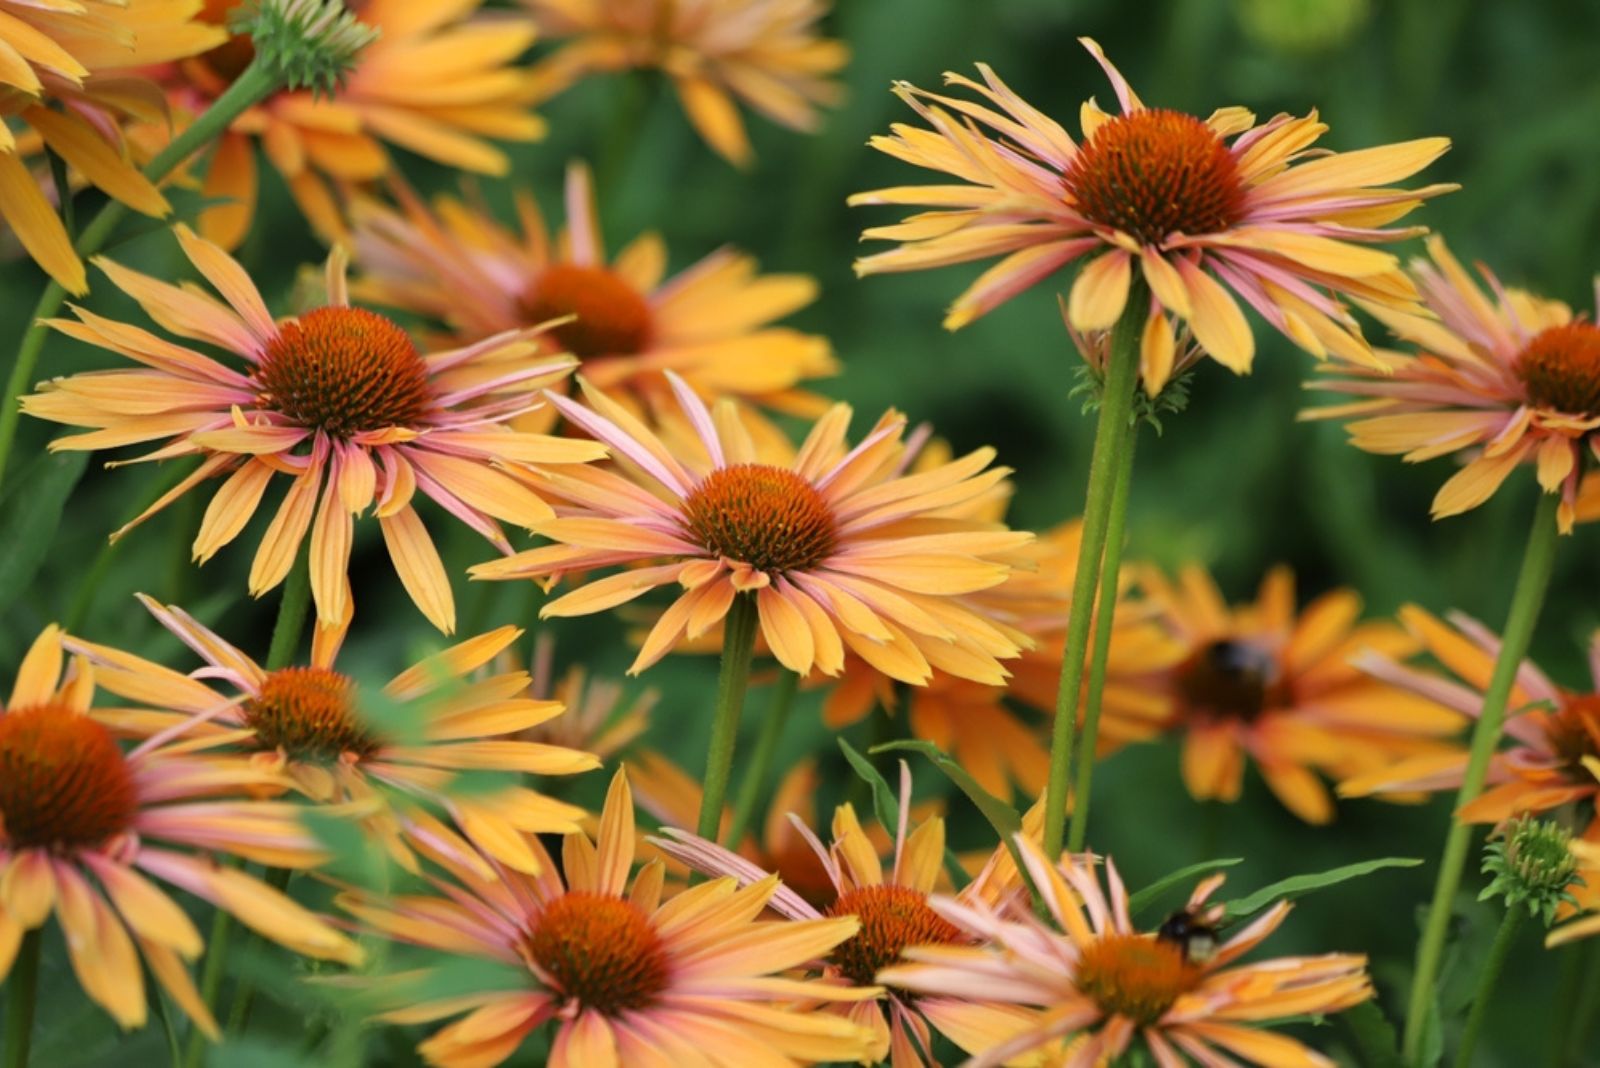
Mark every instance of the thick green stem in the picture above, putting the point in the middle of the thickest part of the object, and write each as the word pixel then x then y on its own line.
pixel 1488 976
pixel 292 612
pixel 1575 1036
pixel 1110 440
pixel 1532 582
pixel 1116 531
pixel 248 89
pixel 738 645
pixel 22 987
pixel 760 766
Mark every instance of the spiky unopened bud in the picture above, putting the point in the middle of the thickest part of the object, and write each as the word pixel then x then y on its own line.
pixel 1532 864
pixel 309 44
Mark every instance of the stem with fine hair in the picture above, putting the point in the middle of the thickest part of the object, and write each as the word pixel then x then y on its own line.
pixel 1110 441
pixel 1527 598
pixel 1488 976
pixel 249 89
pixel 738 645
pixel 22 987
pixel 1104 615
pixel 755 775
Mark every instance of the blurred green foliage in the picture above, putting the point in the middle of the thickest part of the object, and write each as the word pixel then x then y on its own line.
pixel 1236 481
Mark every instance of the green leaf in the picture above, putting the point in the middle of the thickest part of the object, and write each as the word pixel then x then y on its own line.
pixel 1141 899
pixel 1374 1035
pixel 1001 816
pixel 29 515
pixel 1296 885
pixel 883 797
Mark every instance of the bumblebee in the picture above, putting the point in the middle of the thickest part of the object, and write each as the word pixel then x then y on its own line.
pixel 1191 933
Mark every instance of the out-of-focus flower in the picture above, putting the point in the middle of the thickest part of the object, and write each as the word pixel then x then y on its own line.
pixel 1100 979
pixel 596 719
pixel 1267 216
pixel 767 53
pixel 338 399
pixel 627 978
pixel 84 827
pixel 712 323
pixel 305 726
pixel 70 55
pixel 838 549
pixel 1276 684
pixel 1506 380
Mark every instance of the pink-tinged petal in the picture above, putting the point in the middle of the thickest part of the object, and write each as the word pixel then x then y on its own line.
pixel 1125 95
pixel 622 443
pixel 583 223
pixel 250 440
pixel 232 281
pixel 699 418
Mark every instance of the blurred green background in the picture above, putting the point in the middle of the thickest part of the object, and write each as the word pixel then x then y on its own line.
pixel 1236 482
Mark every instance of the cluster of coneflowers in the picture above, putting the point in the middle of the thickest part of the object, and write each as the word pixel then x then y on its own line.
pixel 637 425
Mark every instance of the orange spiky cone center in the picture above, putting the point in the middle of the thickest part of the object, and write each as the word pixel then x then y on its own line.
pixel 613 318
pixel 1560 369
pixel 599 951
pixel 344 371
pixel 1155 173
pixel 1136 976
pixel 892 918
pixel 1231 679
pixel 765 516
pixel 64 783
pixel 309 713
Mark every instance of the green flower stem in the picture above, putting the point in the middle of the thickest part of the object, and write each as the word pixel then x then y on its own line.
pixel 1574 1036
pixel 1110 441
pixel 1532 582
pixel 249 89
pixel 755 776
pixel 1116 531
pixel 22 987
pixel 1488 976
pixel 738 645
pixel 292 612
pixel 245 992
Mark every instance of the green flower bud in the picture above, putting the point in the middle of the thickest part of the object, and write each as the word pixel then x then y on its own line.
pixel 306 43
pixel 1532 864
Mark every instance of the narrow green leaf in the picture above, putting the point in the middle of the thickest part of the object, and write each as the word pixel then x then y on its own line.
pixel 29 515
pixel 884 802
pixel 1001 816
pixel 1374 1035
pixel 1296 885
pixel 1139 900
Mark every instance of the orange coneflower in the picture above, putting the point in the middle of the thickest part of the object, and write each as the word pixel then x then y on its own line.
pixel 1554 757
pixel 1101 979
pixel 63 54
pixel 597 718
pixel 1505 380
pixel 304 726
pixel 83 824
pixel 892 907
pixel 1277 222
pixel 339 399
pixel 767 52
pixel 837 549
pixel 1276 684
pixel 712 323
pixel 628 979
pixel 440 80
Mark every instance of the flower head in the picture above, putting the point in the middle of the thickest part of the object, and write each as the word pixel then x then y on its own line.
pixel 837 548
pixel 305 726
pixel 1097 976
pixel 712 323
pixel 1280 224
pixel 1503 378
pixel 767 52
pixel 339 399
pixel 627 978
pixel 310 44
pixel 1273 683
pixel 1533 866
pixel 85 827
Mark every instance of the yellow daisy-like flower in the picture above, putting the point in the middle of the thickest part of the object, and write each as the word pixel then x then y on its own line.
pixel 838 549
pixel 441 80
pixel 1505 377
pixel 1177 990
pixel 767 52
pixel 628 979
pixel 85 827
pixel 1276 684
pixel 69 55
pixel 338 399
pixel 304 726
pixel 891 906
pixel 1280 224
pixel 712 323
